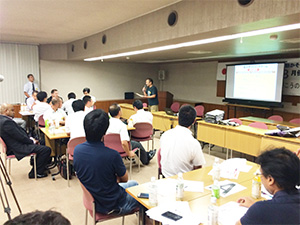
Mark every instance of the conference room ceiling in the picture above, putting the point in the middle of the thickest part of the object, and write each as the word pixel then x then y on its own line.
pixel 64 21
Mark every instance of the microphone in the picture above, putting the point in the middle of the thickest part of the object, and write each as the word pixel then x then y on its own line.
pixel 144 88
pixel 1 78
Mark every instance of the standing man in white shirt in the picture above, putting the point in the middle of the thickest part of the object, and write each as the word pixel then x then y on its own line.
pixel 180 151
pixel 30 86
pixel 67 106
pixel 74 122
pixel 41 105
pixel 141 116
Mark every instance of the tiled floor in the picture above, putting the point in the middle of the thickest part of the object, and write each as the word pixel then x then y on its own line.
pixel 47 194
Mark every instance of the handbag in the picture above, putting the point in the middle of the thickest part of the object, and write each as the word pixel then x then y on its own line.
pixel 62 167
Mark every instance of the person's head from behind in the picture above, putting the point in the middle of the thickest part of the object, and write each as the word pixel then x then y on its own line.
pixel 280 170
pixel 78 105
pixel 42 96
pixel 95 125
pixel 71 95
pixel 54 93
pixel 187 115
pixel 137 104
pixel 30 77
pixel 7 110
pixel 87 101
pixel 34 95
pixel 38 217
pixel 86 91
pixel 114 110
pixel 55 103
pixel 149 82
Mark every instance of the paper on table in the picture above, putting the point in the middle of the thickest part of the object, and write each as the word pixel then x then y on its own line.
pixel 179 208
pixel 230 213
pixel 228 187
pixel 193 186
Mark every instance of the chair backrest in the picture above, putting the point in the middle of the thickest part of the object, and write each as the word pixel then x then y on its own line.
pixel 236 120
pixel 258 125
pixel 199 110
pixel 276 118
pixel 175 107
pixel 73 143
pixel 4 149
pixel 88 199
pixel 145 105
pixel 296 120
pixel 113 141
pixel 41 121
pixel 142 130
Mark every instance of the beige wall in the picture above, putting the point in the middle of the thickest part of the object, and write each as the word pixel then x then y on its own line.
pixel 186 81
pixel 106 80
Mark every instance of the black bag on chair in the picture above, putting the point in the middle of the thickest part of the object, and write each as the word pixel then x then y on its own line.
pixel 62 167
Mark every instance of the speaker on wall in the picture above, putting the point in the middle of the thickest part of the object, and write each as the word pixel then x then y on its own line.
pixel 161 75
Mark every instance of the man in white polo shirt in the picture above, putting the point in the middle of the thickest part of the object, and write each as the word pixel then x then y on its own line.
pixel 180 151
pixel 41 105
pixel 141 116
pixel 55 113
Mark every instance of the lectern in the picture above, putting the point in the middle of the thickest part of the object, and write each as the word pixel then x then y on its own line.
pixel 165 100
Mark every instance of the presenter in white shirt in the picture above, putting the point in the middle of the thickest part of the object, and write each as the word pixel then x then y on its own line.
pixel 30 86
pixel 180 151
pixel 141 116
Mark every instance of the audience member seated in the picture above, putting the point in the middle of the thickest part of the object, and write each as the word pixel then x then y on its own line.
pixel 88 104
pixel 41 105
pixel 5 110
pixel 31 101
pixel 101 170
pixel 67 106
pixel 74 122
pixel 54 94
pixel 55 113
pixel 141 116
pixel 116 126
pixel 39 218
pixel 19 144
pixel 86 92
pixel 280 174
pixel 180 151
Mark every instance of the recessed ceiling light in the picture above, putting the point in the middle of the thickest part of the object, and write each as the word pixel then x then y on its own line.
pixel 199 52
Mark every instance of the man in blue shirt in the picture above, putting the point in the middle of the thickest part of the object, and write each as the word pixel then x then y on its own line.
pixel 280 173
pixel 101 170
pixel 151 93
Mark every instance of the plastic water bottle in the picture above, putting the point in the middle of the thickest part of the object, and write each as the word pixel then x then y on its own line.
pixel 215 189
pixel 179 186
pixel 51 127
pixel 213 212
pixel 256 186
pixel 216 169
pixel 153 192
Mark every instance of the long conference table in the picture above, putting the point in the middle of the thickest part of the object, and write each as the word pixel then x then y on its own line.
pixel 199 201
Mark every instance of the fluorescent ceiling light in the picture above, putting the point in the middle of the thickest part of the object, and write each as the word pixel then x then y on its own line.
pixel 200 42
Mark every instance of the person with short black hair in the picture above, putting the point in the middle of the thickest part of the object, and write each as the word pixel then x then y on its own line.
pixel 67 106
pixel 74 121
pixel 101 169
pixel 88 103
pixel 30 86
pixel 86 92
pixel 280 174
pixel 41 105
pixel 31 101
pixel 150 92
pixel 48 217
pixel 116 126
pixel 55 114
pixel 140 116
pixel 54 94
pixel 180 151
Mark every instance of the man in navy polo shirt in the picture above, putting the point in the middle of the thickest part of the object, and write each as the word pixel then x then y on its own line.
pixel 280 173
pixel 151 94
pixel 101 170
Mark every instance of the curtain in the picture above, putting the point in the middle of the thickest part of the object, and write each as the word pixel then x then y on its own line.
pixel 16 62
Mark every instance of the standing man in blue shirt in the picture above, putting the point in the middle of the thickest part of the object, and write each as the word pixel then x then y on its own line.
pixel 280 174
pixel 151 93
pixel 30 86
pixel 101 169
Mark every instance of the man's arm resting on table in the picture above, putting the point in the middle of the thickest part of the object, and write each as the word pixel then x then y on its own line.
pixel 126 149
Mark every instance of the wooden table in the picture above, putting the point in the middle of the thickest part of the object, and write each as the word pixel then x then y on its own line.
pixel 50 139
pixel 245 139
pixel 199 201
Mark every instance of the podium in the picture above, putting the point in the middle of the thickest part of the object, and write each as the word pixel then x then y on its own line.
pixel 165 100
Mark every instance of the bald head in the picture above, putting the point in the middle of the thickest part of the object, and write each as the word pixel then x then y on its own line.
pixel 7 110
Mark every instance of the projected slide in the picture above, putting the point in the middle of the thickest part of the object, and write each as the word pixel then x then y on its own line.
pixel 257 81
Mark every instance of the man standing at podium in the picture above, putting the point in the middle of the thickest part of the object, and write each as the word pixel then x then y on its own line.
pixel 150 92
